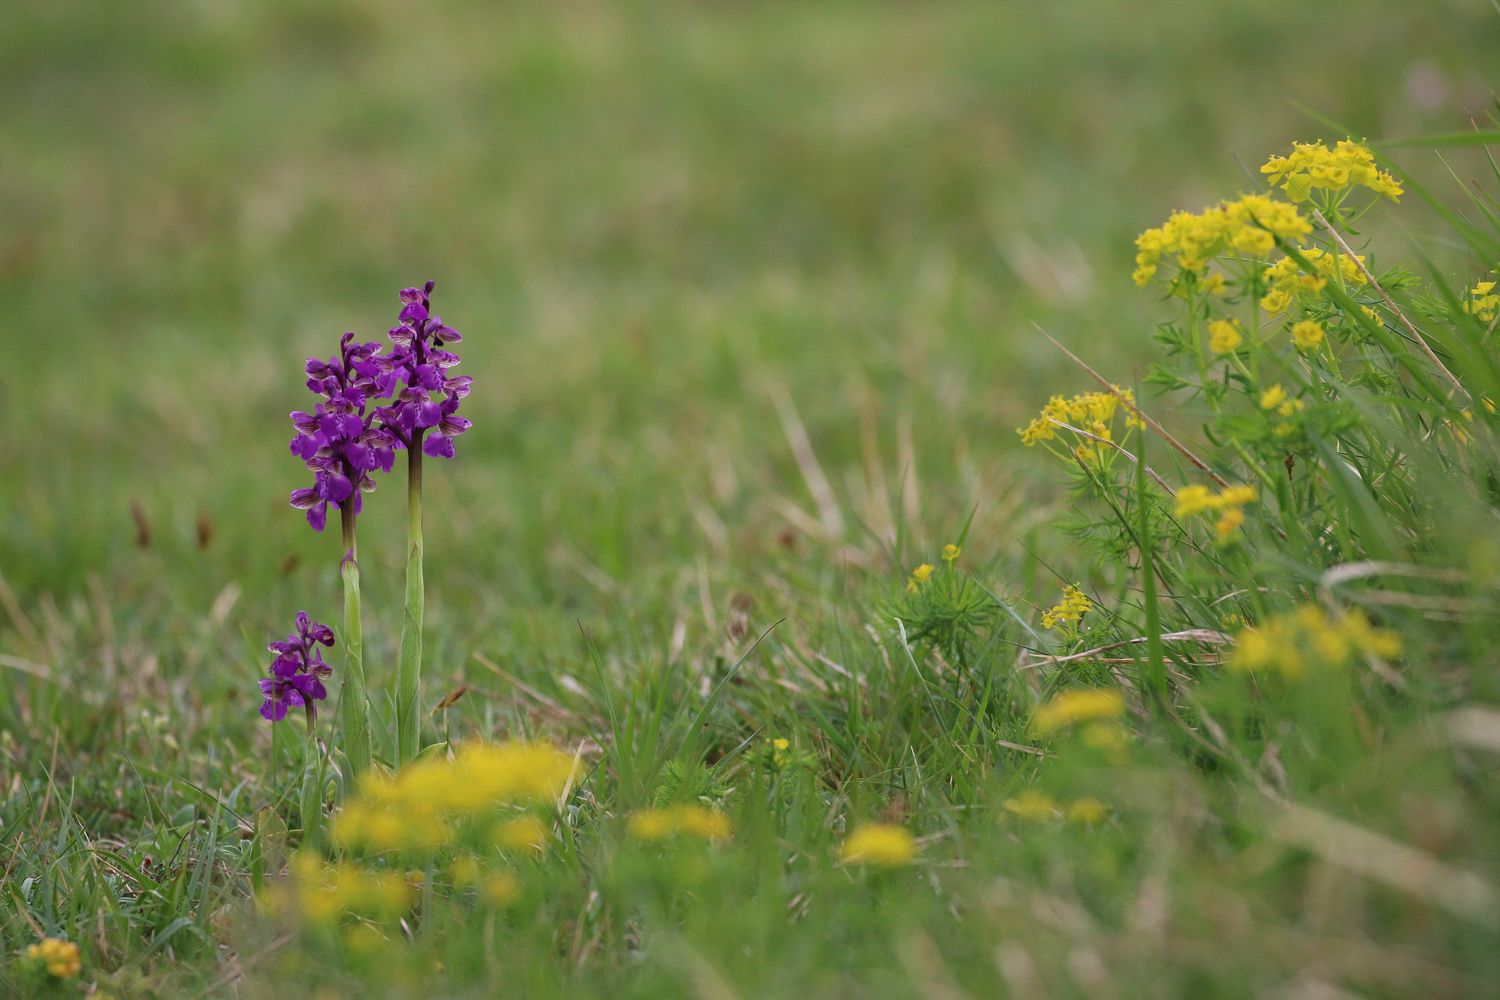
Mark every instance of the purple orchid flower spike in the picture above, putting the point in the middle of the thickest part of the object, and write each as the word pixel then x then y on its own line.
pixel 419 362
pixel 298 671
pixel 340 441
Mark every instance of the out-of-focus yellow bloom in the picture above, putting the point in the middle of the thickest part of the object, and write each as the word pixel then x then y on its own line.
pixel 1077 705
pixel 1213 284
pixel 1307 638
pixel 1032 804
pixel 1307 334
pixel 919 576
pixel 524 833
pixel 1272 397
pixel 1108 737
pixel 883 845
pixel 687 819
pixel 1224 336
pixel 1230 520
pixel 501 889
pixel 325 892
pixel 60 957
pixel 1194 500
pixel 1483 303
pixel 1313 166
pixel 1087 810
pixel 417 807
pixel 951 552
pixel 1070 610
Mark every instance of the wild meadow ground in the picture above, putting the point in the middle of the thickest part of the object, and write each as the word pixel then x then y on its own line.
pixel 752 297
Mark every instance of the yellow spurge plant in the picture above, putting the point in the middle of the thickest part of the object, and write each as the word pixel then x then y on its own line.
pixel 689 820
pixel 1093 413
pixel 1229 504
pixel 1077 705
pixel 1069 611
pixel 1247 226
pixel 880 845
pixel 1313 167
pixel 421 806
pixel 1296 642
pixel 60 958
pixel 1483 303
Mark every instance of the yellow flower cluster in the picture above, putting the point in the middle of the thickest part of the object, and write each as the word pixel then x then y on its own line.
pixel 687 820
pixel 1228 504
pixel 1077 705
pixel 1286 282
pixel 1307 334
pixel 1483 303
pixel 883 845
pixel 1275 399
pixel 60 957
pixel 324 892
pixel 1093 412
pixel 1248 225
pixel 417 807
pixel 1070 610
pixel 1313 166
pixel 1306 638
pixel 1039 806
pixel 919 576
pixel 1224 336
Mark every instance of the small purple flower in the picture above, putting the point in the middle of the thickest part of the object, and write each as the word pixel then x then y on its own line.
pixel 297 672
pixel 428 396
pixel 339 441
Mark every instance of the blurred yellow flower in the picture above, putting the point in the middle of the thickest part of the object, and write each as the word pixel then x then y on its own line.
pixel 1308 638
pixel 1077 705
pixel 688 819
pixel 1032 805
pixel 883 845
pixel 1307 334
pixel 1224 336
pixel 60 957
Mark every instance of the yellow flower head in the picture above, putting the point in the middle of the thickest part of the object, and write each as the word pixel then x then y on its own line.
pixel 950 552
pixel 1245 226
pixel 1087 810
pixel 60 957
pixel 1307 335
pixel 1483 304
pixel 1293 643
pixel 881 845
pixel 1077 705
pixel 1032 804
pixel 689 820
pixel 919 576
pixel 1272 397
pixel 1224 336
pixel 1313 166
pixel 1070 610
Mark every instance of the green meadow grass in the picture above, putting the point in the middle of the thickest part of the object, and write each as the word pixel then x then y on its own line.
pixel 749 294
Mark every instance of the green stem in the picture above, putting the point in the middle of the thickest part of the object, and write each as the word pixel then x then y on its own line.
pixel 409 671
pixel 311 805
pixel 354 703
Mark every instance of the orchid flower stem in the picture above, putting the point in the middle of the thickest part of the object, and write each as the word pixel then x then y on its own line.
pixel 409 670
pixel 313 778
pixel 354 703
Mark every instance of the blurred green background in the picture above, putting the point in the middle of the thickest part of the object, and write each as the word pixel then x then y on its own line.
pixel 655 224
